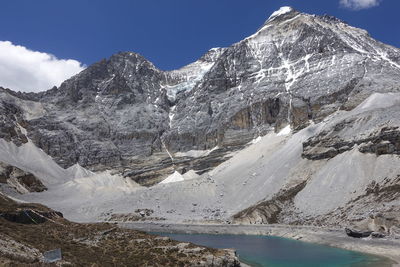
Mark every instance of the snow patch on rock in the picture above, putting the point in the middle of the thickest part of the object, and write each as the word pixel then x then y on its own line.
pixel 195 153
pixel 282 11
pixel 190 175
pixel 285 131
pixel 173 178
pixel 79 172
pixel 255 140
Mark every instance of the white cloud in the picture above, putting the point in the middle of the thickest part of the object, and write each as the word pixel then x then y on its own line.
pixel 25 70
pixel 359 4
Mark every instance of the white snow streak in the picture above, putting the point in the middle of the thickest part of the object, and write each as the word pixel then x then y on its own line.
pixel 282 11
pixel 173 178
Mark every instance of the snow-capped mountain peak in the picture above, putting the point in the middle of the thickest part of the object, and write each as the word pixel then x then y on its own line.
pixel 282 11
pixel 302 81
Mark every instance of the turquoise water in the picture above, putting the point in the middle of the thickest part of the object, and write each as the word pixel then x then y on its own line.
pixel 275 251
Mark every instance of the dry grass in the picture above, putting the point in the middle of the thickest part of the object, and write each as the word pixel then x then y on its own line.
pixel 99 244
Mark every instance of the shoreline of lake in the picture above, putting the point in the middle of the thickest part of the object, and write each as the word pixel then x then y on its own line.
pixel 263 250
pixel 382 247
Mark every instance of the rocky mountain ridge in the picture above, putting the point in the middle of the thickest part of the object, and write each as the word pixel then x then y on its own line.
pixel 285 126
pixel 295 69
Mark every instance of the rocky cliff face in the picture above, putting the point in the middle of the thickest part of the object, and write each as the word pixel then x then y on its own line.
pixel 125 114
pixel 294 69
pixel 323 95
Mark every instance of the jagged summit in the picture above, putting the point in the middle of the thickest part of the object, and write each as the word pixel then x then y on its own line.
pixel 298 69
pixel 281 15
pixel 317 97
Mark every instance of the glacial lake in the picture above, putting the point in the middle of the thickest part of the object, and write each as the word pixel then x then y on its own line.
pixel 281 252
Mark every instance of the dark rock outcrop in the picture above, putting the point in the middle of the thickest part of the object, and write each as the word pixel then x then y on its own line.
pixel 30 216
pixel 268 211
pixel 20 180
pixel 385 140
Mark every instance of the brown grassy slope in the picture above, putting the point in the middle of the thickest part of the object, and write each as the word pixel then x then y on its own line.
pixel 100 244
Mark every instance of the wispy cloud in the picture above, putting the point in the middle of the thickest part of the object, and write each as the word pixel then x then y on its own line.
pixel 359 4
pixel 25 70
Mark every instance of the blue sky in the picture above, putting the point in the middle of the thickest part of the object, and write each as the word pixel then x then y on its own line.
pixel 170 33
